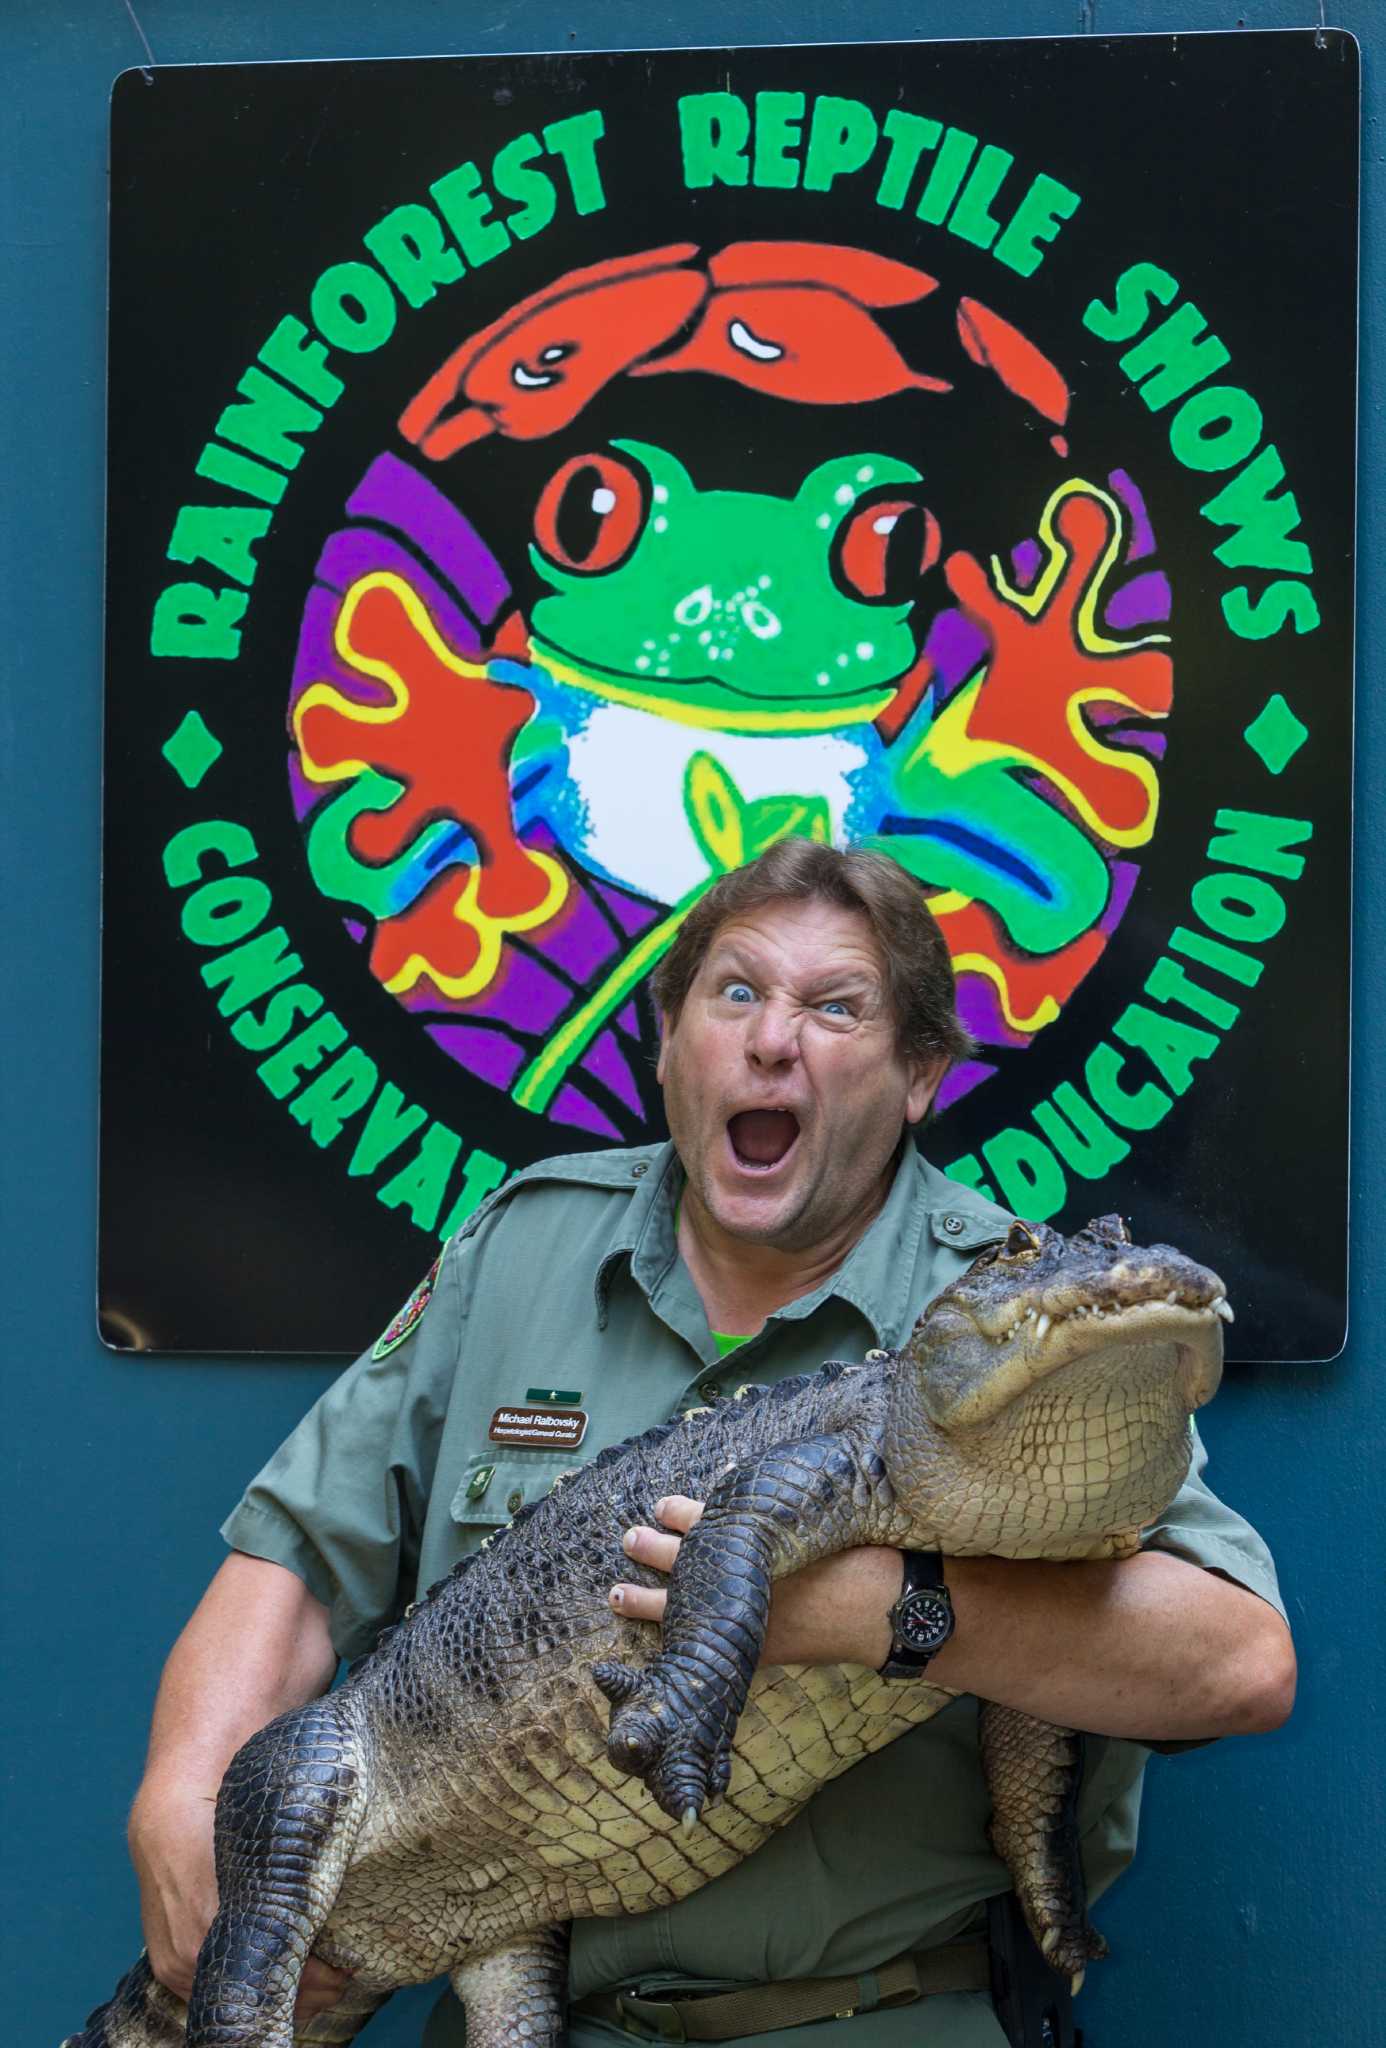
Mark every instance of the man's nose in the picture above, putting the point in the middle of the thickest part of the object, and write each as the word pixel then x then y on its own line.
pixel 773 1037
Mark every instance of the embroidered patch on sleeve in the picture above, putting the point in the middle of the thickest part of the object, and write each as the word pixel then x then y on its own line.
pixel 409 1316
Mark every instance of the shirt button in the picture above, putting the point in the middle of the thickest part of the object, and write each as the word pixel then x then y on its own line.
pixel 515 1501
pixel 636 1171
pixel 954 1225
pixel 710 1390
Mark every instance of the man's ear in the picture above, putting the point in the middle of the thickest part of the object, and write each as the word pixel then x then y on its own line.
pixel 925 1076
pixel 662 1061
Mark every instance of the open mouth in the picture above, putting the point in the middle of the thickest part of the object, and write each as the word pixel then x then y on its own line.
pixel 762 1139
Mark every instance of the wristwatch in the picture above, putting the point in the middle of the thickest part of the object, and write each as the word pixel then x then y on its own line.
pixel 921 1620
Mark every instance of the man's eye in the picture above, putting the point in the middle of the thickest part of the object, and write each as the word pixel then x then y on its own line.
pixel 738 992
pixel 835 1007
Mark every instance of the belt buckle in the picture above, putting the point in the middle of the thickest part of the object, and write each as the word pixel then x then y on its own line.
pixel 655 2019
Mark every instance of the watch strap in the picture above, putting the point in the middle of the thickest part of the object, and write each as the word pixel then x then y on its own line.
pixel 921 1621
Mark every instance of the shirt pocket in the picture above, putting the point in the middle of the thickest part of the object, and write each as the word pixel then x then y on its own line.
pixel 496 1484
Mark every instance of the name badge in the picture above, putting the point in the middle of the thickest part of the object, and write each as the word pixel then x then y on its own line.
pixel 539 1429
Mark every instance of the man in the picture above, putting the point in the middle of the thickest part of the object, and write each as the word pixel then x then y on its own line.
pixel 808 1020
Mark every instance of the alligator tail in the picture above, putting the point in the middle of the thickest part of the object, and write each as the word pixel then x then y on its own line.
pixel 141 2013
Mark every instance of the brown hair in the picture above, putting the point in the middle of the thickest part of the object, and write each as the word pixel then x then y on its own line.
pixel 918 971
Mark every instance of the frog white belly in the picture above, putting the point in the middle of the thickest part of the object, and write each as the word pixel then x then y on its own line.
pixel 629 770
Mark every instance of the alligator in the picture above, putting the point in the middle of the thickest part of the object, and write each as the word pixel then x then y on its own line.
pixel 513 1753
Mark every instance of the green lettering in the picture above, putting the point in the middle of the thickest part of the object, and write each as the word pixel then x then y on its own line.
pixel 1215 429
pixel 221 535
pixel 1075 1130
pixel 283 1070
pixel 1238 906
pixel 1135 1110
pixel 970 1171
pixel 419 1185
pixel 1263 523
pixel 390 1122
pixel 513 179
pixel 1278 603
pixel 842 135
pixel 222 913
pixel 1137 289
pixel 778 117
pixel 1030 1178
pixel 258 1034
pixel 1041 213
pixel 1242 967
pixel 465 205
pixel 971 219
pixel 575 141
pixel 251 970
pixel 1167 982
pixel 301 360
pixel 186 852
pixel 948 172
pixel 266 423
pixel 194 623
pixel 1171 1047
pixel 1256 840
pixel 240 473
pixel 714 128
pixel 408 245
pixel 909 135
pixel 1174 357
pixel 481 1175
pixel 339 1092
pixel 353 308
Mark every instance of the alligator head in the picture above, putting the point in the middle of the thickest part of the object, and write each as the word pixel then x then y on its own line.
pixel 1057 1378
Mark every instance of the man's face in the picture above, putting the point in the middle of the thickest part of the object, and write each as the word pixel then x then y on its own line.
pixel 785 1090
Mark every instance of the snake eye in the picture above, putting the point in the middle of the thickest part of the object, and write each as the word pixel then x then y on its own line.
pixel 884 548
pixel 590 514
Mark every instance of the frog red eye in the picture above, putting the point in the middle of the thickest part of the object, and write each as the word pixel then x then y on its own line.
pixel 884 549
pixel 590 513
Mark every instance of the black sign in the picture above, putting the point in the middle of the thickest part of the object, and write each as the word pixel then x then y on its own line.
pixel 539 483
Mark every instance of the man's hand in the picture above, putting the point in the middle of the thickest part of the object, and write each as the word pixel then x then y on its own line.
pixel 257 1644
pixel 1148 1648
pixel 828 1613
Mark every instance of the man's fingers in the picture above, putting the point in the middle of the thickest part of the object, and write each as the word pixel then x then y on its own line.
pixel 651 1546
pixel 640 1603
pixel 678 1511
pixel 319 1988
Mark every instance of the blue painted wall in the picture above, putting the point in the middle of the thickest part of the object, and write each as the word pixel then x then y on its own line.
pixel 1256 1915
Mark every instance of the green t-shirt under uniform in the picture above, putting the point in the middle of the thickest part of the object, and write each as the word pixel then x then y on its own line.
pixel 572 1271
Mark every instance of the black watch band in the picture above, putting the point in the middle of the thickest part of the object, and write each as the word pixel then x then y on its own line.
pixel 921 1621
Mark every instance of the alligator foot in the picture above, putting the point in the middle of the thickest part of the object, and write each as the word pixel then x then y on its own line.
pixel 514 1997
pixel 1034 1771
pixel 673 1730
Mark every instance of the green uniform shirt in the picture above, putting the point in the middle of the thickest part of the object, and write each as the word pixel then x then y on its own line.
pixel 569 1277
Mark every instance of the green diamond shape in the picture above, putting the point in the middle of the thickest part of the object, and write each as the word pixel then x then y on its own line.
pixel 1276 734
pixel 191 750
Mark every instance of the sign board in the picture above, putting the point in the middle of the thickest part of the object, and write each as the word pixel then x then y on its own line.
pixel 539 483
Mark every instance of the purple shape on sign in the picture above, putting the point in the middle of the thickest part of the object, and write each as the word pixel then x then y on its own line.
pixel 579 939
pixel 629 912
pixel 1125 875
pixel 629 1022
pixel 979 1007
pixel 524 994
pixel 1025 560
pixel 355 930
pixel 490 1055
pixel 571 1108
pixel 1142 532
pixel 303 792
pixel 363 552
pixel 607 1063
pixel 1142 601
pixel 960 1081
pixel 954 646
pixel 315 660
pixel 397 495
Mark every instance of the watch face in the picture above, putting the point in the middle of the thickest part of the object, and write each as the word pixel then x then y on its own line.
pixel 924 1621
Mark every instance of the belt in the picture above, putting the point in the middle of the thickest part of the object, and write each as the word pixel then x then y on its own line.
pixel 762 2008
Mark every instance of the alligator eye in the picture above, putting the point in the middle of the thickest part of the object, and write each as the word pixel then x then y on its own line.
pixel 1021 1241
pixel 590 514
pixel 884 549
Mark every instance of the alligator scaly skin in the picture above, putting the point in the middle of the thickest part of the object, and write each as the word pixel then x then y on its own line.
pixel 468 1791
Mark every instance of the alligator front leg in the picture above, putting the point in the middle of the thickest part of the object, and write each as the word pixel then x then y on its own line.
pixel 1033 1772
pixel 675 1720
pixel 515 1997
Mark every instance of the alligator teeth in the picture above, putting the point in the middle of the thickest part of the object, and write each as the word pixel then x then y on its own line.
pixel 1223 1307
pixel 1042 1329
